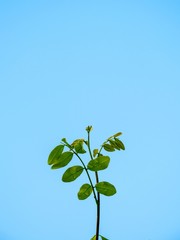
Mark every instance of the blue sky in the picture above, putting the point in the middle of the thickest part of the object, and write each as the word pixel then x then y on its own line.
pixel 110 64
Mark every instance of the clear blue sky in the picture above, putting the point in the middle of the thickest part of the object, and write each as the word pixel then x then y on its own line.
pixel 111 64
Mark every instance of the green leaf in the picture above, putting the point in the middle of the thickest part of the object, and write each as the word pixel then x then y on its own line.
pixel 84 191
pixel 78 145
pixel 117 134
pixel 105 188
pixel 93 238
pixel 103 238
pixel 79 148
pixel 64 140
pixel 72 173
pixel 63 160
pixel 119 143
pixel 55 154
pixel 108 147
pixel 113 144
pixel 95 152
pixel 99 163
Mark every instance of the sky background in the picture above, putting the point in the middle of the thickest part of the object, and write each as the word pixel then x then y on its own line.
pixel 111 64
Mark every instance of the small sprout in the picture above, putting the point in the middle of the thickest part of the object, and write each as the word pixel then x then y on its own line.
pixel 95 152
pixel 89 128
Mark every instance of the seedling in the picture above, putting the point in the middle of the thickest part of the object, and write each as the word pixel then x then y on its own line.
pixel 63 154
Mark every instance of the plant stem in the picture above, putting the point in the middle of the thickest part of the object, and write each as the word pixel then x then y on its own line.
pixel 96 200
pixel 90 181
pixel 98 194
pixel 98 209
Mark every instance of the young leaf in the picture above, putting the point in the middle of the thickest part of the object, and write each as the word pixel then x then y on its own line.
pixel 119 143
pixel 114 144
pixel 63 160
pixel 85 191
pixel 78 145
pixel 95 152
pixel 99 163
pixel 108 147
pixel 72 173
pixel 55 154
pixel 105 188
pixel 117 134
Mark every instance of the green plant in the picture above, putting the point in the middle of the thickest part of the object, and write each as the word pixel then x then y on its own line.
pixel 59 157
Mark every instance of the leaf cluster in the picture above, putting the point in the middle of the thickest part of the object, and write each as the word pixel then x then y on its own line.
pixel 63 154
